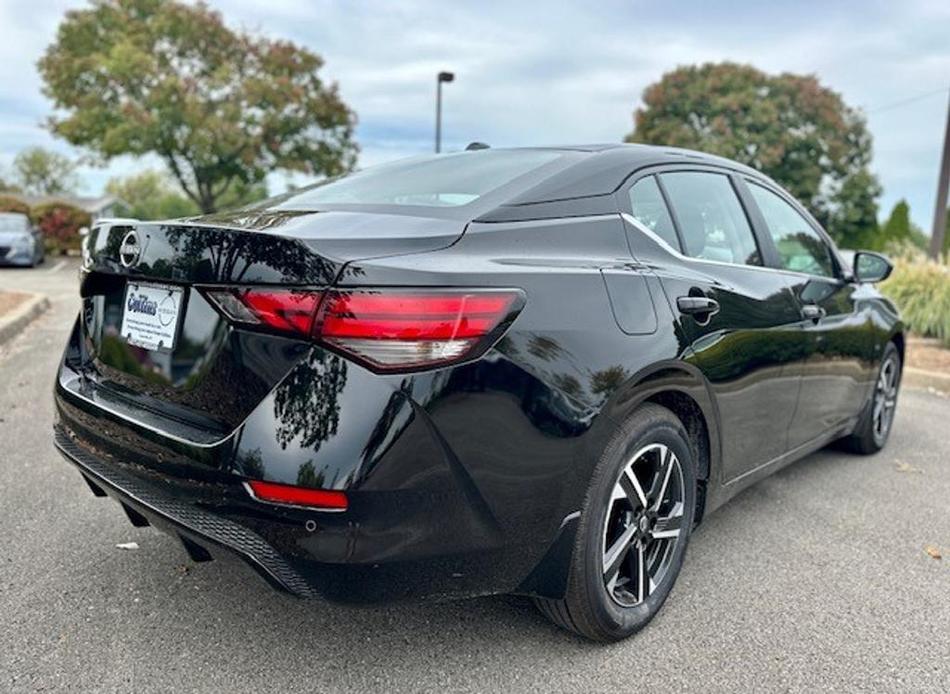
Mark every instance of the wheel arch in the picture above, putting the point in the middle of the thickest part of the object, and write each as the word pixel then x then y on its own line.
pixel 682 389
pixel 900 341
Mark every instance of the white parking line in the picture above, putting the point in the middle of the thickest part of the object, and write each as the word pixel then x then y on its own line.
pixel 57 267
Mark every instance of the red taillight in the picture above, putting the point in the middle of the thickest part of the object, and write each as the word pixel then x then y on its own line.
pixel 273 492
pixel 284 310
pixel 389 329
pixel 398 329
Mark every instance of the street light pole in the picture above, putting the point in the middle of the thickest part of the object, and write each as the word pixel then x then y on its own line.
pixel 442 77
pixel 943 183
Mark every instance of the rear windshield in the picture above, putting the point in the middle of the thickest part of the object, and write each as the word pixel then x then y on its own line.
pixel 442 180
pixel 14 222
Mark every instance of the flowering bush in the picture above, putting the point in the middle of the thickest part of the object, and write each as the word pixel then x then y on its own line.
pixel 60 224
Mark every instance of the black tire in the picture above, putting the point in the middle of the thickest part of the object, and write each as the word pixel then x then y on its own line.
pixel 869 436
pixel 589 607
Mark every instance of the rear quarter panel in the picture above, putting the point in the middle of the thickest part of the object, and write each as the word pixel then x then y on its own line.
pixel 528 421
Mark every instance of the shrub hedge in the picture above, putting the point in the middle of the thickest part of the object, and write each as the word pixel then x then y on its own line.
pixel 921 290
pixel 59 221
pixel 8 204
pixel 60 224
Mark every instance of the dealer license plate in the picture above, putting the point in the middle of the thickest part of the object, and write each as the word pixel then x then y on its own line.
pixel 150 315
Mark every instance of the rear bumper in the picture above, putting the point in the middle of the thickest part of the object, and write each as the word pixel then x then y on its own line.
pixel 201 532
pixel 313 555
pixel 434 512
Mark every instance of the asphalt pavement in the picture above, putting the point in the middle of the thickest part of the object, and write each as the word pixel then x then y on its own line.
pixel 814 579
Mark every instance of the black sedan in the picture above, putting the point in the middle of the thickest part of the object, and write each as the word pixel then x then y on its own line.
pixel 527 371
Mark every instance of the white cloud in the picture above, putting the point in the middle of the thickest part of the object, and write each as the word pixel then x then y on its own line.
pixel 547 72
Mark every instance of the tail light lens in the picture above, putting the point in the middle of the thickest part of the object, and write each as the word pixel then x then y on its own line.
pixel 292 495
pixel 387 329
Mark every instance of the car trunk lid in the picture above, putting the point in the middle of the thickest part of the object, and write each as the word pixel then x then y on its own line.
pixel 201 371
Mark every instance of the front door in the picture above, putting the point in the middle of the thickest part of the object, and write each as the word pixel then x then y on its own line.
pixel 839 360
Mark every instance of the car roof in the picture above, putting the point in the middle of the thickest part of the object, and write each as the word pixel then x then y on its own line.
pixel 608 165
pixel 580 182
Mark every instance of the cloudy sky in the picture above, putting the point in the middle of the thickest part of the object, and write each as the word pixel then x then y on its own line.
pixel 537 72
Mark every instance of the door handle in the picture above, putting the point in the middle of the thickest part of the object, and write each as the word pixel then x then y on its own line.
pixel 701 306
pixel 813 312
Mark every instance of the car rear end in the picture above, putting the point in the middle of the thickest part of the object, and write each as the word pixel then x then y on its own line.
pixel 241 383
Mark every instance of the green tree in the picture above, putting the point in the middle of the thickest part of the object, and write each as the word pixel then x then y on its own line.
pixel 41 172
pixel 221 107
pixel 898 230
pixel 151 195
pixel 787 126
pixel 7 186
pixel 852 217
pixel 241 194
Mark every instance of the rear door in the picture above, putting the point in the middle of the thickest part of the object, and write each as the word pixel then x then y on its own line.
pixel 839 359
pixel 738 321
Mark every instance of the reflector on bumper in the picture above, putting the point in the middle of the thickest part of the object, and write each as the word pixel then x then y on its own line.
pixel 290 495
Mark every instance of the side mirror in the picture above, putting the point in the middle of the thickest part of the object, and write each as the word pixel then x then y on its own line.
pixel 871 267
pixel 83 231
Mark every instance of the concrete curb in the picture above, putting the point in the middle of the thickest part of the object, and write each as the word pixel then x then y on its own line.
pixel 922 378
pixel 14 322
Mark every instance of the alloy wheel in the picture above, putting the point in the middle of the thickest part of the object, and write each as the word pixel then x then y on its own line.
pixel 643 524
pixel 885 399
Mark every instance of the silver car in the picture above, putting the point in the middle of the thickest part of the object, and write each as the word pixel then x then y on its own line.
pixel 20 242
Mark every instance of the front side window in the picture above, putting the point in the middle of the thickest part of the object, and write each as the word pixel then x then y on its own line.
pixel 800 247
pixel 712 222
pixel 650 210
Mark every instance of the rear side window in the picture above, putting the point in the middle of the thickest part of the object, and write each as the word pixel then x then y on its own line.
pixel 800 247
pixel 712 222
pixel 443 180
pixel 650 210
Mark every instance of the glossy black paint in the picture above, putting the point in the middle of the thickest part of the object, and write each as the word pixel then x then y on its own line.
pixel 468 479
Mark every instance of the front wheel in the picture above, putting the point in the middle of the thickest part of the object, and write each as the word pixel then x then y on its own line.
pixel 874 428
pixel 633 532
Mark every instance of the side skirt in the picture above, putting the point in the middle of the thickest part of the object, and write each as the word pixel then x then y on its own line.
pixel 747 479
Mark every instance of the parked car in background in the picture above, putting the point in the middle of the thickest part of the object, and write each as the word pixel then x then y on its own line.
pixel 20 242
pixel 526 371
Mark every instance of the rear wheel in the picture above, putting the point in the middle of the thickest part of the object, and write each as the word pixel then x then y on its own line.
pixel 633 531
pixel 873 430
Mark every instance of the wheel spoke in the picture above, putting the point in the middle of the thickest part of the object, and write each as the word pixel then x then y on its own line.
pixel 662 479
pixel 643 577
pixel 878 407
pixel 669 526
pixel 613 557
pixel 633 490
